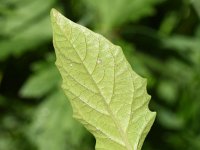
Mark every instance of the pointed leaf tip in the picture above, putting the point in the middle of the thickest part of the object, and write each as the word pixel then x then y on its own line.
pixel 53 12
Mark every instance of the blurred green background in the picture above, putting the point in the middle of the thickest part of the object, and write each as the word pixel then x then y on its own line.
pixel 160 38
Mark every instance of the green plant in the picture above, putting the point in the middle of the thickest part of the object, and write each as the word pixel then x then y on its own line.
pixel 107 96
pixel 160 39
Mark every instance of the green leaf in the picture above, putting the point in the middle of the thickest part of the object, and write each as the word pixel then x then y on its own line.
pixel 53 128
pixel 107 96
pixel 32 36
pixel 40 83
pixel 19 17
pixel 22 30
pixel 196 5
pixel 122 11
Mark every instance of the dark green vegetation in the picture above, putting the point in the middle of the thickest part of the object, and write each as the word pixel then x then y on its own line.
pixel 161 39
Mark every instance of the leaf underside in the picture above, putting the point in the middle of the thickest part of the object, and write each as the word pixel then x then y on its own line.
pixel 107 96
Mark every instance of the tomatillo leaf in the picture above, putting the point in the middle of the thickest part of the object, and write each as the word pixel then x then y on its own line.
pixel 107 96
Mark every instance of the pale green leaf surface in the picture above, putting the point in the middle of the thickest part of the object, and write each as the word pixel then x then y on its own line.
pixel 107 96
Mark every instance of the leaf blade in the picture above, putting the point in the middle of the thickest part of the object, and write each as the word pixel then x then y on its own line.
pixel 104 91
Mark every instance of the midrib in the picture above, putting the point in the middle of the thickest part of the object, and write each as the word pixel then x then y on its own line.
pixel 115 120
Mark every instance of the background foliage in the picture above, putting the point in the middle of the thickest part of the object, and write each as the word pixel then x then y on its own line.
pixel 160 38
